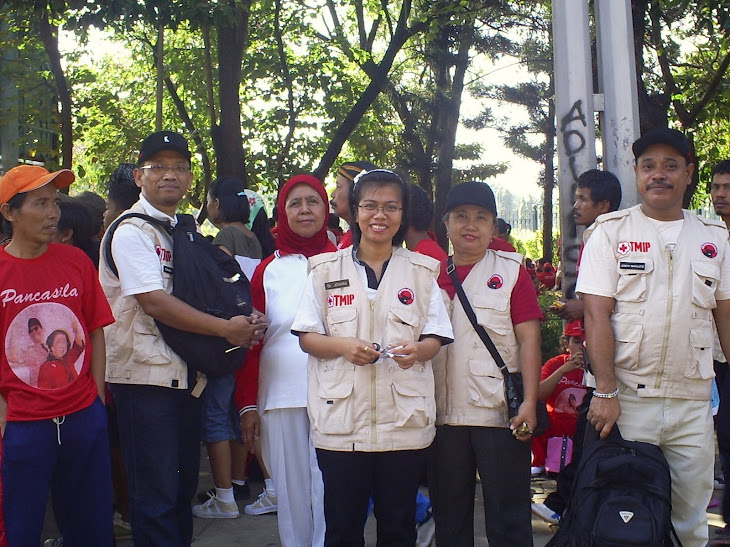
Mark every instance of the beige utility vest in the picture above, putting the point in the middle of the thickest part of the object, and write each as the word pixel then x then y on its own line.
pixel 377 407
pixel 469 384
pixel 662 320
pixel 136 353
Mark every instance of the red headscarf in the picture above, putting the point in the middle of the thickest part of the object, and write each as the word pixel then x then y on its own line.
pixel 289 242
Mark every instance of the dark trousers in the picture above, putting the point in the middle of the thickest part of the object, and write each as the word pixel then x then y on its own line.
pixel 159 433
pixel 350 478
pixel 722 428
pixel 504 467
pixel 75 470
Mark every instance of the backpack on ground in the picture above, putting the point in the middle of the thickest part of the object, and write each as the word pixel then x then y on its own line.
pixel 621 497
pixel 206 278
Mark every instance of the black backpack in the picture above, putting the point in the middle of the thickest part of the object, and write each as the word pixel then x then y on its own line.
pixel 621 497
pixel 209 280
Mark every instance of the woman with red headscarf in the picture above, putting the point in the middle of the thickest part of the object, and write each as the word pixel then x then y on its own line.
pixel 273 380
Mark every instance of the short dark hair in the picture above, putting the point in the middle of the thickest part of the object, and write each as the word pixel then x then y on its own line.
pixel 232 199
pixel 121 188
pixel 96 205
pixel 421 208
pixel 78 219
pixel 503 227
pixel 15 202
pixel 722 168
pixel 375 179
pixel 603 185
pixel 52 338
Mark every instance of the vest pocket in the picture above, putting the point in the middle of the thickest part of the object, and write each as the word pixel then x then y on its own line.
pixel 413 398
pixel 628 340
pixel 631 285
pixel 342 322
pixel 704 283
pixel 335 409
pixel 485 384
pixel 401 324
pixel 699 362
pixel 149 346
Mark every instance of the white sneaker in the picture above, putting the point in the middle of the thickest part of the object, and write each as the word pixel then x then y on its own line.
pixel 545 513
pixel 214 508
pixel 266 503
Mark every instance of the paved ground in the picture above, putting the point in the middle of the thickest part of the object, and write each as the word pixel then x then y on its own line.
pixel 261 531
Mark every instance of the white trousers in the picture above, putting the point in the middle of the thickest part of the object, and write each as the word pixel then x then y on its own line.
pixel 683 430
pixel 292 461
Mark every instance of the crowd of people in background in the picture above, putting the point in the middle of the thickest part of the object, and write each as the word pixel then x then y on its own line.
pixel 366 375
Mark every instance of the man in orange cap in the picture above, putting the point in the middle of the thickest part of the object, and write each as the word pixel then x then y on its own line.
pixel 54 438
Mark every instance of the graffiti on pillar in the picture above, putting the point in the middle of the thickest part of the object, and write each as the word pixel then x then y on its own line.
pixel 573 129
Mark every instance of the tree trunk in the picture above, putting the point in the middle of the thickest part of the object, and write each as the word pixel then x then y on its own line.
pixel 547 202
pixel 49 37
pixel 227 136
pixel 448 106
pixel 160 75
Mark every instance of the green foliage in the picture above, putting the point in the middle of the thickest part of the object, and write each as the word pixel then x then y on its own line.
pixel 551 328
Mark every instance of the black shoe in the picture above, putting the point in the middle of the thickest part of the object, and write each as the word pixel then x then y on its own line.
pixel 241 492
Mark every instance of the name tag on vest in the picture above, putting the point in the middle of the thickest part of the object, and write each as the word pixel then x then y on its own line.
pixel 336 284
pixel 641 266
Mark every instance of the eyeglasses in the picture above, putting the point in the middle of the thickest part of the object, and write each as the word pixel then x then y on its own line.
pixel 388 209
pixel 158 170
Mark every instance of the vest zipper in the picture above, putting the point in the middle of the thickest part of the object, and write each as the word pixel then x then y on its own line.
pixel 373 382
pixel 668 322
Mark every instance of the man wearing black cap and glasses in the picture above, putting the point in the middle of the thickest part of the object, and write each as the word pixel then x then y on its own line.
pixel 157 405
pixel 652 277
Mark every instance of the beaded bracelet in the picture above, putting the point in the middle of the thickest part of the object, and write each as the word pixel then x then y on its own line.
pixel 606 395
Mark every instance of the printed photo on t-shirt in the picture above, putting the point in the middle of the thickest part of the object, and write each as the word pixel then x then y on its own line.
pixel 45 345
pixel 569 400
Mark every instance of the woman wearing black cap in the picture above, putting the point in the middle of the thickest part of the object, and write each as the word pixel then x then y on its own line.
pixel 473 430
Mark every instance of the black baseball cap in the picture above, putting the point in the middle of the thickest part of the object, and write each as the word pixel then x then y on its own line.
pixel 663 135
pixel 471 193
pixel 163 140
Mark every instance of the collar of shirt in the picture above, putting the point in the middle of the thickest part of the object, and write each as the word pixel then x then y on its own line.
pixel 371 279
pixel 154 212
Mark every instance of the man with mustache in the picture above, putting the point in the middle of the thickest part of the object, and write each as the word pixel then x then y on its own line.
pixel 652 277
pixel 158 412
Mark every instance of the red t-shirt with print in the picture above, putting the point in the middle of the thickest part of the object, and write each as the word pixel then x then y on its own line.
pixel 568 394
pixel 48 307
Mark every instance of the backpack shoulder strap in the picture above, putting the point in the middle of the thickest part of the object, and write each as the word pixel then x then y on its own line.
pixel 113 228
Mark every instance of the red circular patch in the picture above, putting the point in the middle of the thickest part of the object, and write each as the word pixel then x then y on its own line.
pixel 330 301
pixel 495 282
pixel 405 296
pixel 709 250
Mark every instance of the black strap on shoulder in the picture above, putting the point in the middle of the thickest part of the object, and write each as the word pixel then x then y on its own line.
pixel 113 228
pixel 451 270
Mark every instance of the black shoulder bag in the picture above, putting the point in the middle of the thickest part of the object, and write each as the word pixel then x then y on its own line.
pixel 513 388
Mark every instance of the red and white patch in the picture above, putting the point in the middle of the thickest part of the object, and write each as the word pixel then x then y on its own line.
pixel 335 300
pixel 495 282
pixel 709 249
pixel 626 247
pixel 406 296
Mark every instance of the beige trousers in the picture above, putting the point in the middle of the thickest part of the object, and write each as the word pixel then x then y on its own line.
pixel 683 430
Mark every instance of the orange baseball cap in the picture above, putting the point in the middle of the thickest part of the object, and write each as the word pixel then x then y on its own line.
pixel 25 178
